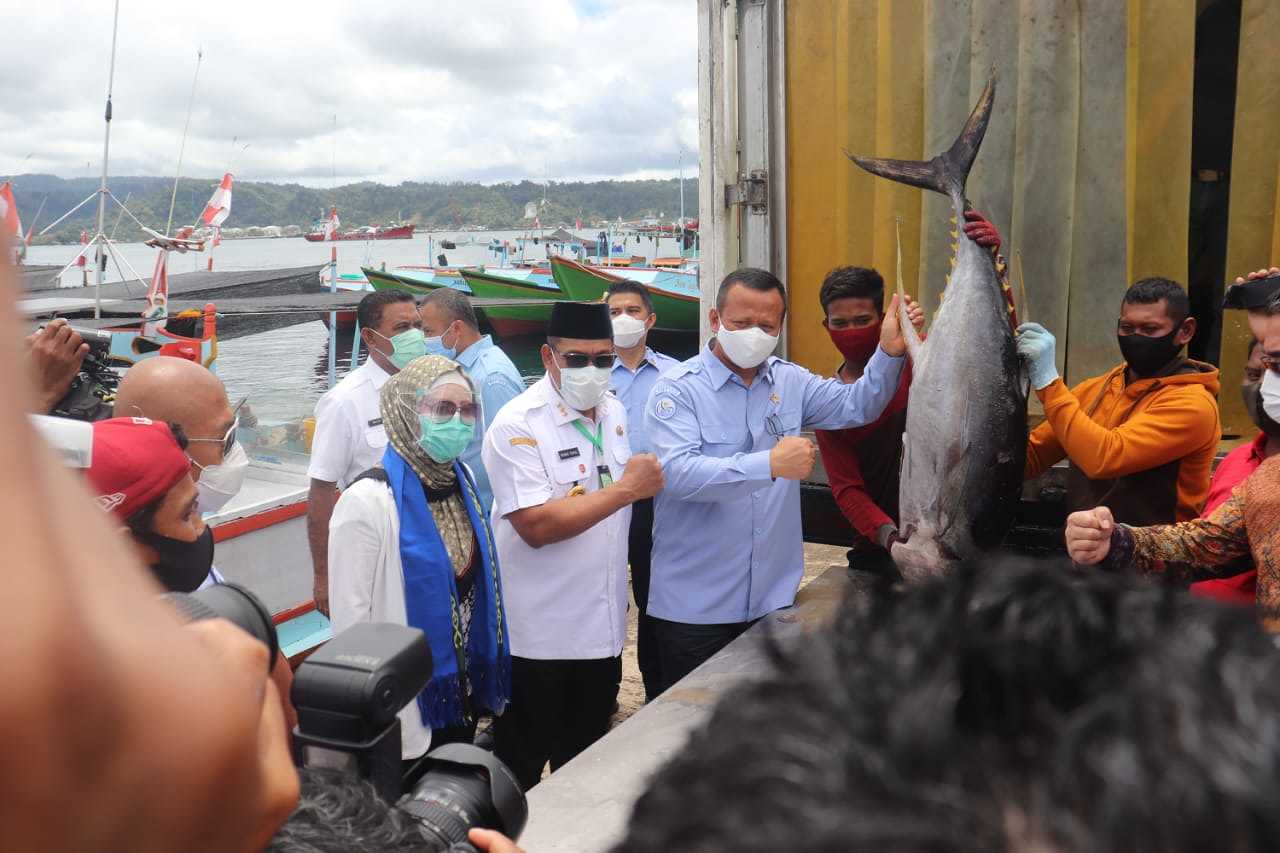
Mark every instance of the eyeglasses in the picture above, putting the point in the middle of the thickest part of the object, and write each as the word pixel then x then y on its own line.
pixel 575 360
pixel 228 440
pixel 440 411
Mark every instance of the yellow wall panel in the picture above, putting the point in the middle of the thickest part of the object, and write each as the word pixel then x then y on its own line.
pixel 1253 240
pixel 1161 63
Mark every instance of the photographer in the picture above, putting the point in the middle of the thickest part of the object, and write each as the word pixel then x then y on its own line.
pixel 100 671
pixel 55 354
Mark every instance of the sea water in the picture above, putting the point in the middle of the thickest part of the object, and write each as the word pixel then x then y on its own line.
pixel 283 372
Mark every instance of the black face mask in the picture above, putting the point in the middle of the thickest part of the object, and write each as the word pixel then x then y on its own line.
pixel 1145 356
pixel 181 566
pixel 1252 393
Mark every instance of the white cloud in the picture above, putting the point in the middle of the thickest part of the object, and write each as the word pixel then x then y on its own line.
pixel 483 90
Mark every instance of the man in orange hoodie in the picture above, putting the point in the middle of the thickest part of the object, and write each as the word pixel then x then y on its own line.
pixel 1140 438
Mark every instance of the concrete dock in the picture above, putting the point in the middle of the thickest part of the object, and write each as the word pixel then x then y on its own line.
pixel 584 807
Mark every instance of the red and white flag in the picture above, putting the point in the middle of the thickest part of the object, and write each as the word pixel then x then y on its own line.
pixel 157 311
pixel 219 206
pixel 9 220
pixel 577 225
pixel 217 237
pixel 84 241
pixel 331 224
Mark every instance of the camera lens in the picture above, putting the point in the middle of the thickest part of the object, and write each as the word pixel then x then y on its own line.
pixel 449 801
pixel 232 602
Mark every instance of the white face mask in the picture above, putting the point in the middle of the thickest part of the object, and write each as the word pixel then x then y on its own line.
pixel 627 331
pixel 220 483
pixel 1271 394
pixel 584 387
pixel 746 348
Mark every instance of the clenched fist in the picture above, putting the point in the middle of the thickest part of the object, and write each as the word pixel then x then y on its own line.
pixel 792 458
pixel 643 476
pixel 1089 535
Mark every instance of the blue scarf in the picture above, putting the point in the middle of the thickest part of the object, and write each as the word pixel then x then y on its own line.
pixel 431 603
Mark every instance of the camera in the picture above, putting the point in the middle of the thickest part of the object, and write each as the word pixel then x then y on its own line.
pixel 234 603
pixel 93 390
pixel 348 695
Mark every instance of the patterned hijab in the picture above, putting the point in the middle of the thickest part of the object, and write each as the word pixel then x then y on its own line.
pixel 398 405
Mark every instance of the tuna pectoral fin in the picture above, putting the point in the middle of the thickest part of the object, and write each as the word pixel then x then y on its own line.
pixel 947 172
pixel 914 345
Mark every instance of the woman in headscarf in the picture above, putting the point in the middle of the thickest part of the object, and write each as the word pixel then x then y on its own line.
pixel 409 543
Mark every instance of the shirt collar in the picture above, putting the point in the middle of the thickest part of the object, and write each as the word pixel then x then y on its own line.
pixel 561 412
pixel 719 373
pixel 376 373
pixel 649 359
pixel 468 356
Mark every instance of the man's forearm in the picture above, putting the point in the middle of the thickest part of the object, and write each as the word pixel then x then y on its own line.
pixel 321 501
pixel 564 518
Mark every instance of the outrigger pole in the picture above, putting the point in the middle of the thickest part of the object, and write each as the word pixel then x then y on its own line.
pixel 102 190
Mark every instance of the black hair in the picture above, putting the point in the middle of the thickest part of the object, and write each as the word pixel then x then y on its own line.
pixel 852 283
pixel 340 813
pixel 755 279
pixel 1148 291
pixel 141 521
pixel 1018 707
pixel 454 304
pixel 631 287
pixel 369 311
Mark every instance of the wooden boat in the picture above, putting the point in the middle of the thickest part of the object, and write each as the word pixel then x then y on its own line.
pixel 508 321
pixel 373 232
pixel 418 281
pixel 674 294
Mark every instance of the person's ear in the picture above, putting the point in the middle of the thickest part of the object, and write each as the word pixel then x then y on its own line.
pixel 1187 332
pixel 713 317
pixel 652 319
pixel 549 360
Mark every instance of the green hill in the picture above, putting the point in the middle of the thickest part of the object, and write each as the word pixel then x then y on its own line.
pixel 447 206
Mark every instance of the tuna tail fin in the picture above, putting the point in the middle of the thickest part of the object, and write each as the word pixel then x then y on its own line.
pixel 947 172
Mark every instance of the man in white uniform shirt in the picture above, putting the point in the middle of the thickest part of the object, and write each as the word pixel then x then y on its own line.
pixel 349 438
pixel 563 479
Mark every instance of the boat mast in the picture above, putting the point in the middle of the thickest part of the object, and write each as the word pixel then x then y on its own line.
pixel 182 146
pixel 102 189
pixel 680 230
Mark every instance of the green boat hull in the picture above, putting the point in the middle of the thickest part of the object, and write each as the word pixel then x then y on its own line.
pixel 676 312
pixel 387 281
pixel 509 321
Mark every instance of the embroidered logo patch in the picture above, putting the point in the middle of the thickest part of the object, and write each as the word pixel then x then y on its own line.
pixel 619 429
pixel 664 409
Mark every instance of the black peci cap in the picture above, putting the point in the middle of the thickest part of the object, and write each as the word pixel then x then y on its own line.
pixel 1252 294
pixel 588 321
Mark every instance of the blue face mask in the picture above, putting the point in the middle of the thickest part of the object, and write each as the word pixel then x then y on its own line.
pixel 435 346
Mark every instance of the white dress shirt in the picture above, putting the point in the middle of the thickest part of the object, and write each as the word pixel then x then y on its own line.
pixel 366 579
pixel 349 437
pixel 566 600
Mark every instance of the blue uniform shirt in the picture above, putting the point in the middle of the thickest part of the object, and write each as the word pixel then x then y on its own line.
pixel 727 543
pixel 497 381
pixel 632 387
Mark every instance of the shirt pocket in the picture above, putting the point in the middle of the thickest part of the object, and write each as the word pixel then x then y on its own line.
pixel 722 438
pixel 566 473
pixel 376 437
pixel 782 422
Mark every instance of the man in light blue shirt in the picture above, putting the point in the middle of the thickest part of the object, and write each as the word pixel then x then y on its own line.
pixel 725 426
pixel 635 371
pixel 452 330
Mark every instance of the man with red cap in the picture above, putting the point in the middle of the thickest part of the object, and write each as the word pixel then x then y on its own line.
pixel 141 474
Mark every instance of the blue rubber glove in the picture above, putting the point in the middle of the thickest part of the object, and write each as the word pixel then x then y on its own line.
pixel 1035 344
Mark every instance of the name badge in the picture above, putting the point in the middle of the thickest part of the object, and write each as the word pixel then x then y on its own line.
pixel 569 453
pixel 375 422
pixel 606 479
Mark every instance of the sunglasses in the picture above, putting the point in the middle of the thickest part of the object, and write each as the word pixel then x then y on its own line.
pixel 440 411
pixel 575 360
pixel 228 440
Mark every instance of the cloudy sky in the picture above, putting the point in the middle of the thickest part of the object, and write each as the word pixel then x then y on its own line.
pixel 486 90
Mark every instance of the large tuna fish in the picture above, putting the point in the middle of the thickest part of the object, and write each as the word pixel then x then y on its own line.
pixel 967 417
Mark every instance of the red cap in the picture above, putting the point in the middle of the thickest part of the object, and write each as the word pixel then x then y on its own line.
pixel 135 462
